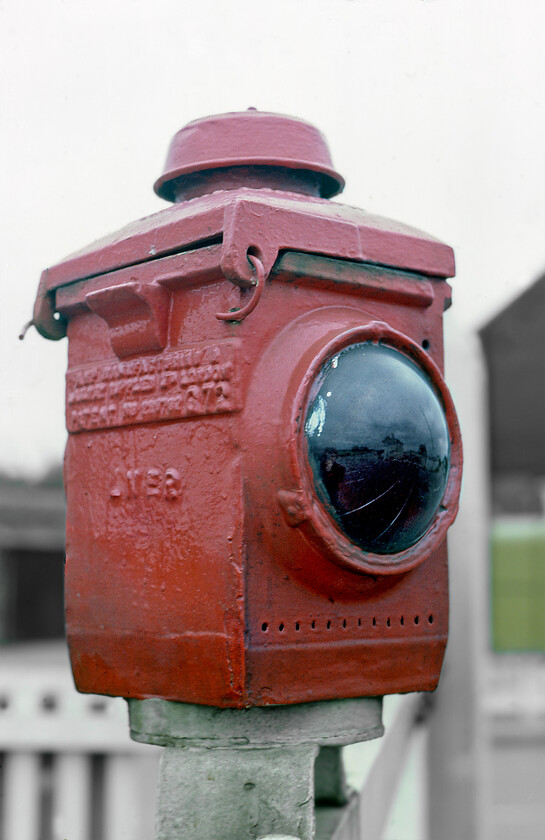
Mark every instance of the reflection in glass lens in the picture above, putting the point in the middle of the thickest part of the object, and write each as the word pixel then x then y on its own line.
pixel 378 446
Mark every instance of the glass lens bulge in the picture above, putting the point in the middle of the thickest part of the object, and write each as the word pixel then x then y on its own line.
pixel 378 446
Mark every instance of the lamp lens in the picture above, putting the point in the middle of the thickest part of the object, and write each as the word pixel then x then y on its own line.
pixel 378 446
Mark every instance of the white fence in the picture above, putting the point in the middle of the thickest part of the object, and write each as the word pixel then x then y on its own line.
pixel 69 770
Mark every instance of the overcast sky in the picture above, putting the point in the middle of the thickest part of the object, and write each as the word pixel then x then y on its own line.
pixel 433 110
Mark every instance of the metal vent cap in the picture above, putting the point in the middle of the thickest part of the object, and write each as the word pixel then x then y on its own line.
pixel 248 138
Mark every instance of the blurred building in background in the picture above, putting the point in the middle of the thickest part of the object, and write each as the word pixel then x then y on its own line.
pixel 31 558
pixel 514 347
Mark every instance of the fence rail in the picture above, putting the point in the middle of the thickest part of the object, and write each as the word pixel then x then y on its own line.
pixel 374 771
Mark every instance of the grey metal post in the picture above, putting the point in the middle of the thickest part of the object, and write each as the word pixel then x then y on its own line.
pixel 230 774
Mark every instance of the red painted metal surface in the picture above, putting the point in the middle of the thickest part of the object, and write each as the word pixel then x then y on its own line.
pixel 201 566
pixel 252 139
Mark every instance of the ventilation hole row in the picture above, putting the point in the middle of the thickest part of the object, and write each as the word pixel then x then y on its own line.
pixel 266 627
